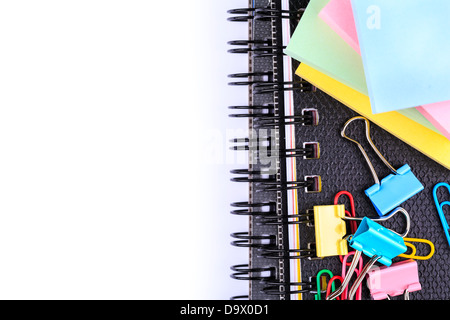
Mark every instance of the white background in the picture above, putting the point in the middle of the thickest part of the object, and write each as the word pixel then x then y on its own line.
pixel 114 178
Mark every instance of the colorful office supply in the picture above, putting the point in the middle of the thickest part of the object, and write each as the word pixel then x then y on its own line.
pixel 377 242
pixel 440 208
pixel 358 270
pixel 331 286
pixel 330 230
pixel 413 255
pixel 338 14
pixel 400 278
pixel 319 276
pixel 352 212
pixel 393 190
pixel 439 116
pixel 427 141
pixel 406 64
pixel 314 42
pixel 286 265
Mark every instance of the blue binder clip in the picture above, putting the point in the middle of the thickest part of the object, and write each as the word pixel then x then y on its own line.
pixel 440 206
pixel 374 240
pixel 378 243
pixel 395 188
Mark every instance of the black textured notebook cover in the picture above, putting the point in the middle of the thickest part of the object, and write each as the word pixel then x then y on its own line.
pixel 342 167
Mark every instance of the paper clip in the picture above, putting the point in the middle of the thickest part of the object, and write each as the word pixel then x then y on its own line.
pixel 440 208
pixel 319 287
pixel 331 285
pixel 352 213
pixel 400 278
pixel 377 242
pixel 393 190
pixel 357 271
pixel 413 255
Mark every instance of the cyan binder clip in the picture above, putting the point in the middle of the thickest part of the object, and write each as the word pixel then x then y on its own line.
pixel 378 243
pixel 395 188
pixel 440 206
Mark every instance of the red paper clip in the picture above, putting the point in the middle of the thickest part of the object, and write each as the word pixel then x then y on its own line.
pixel 353 225
pixel 330 285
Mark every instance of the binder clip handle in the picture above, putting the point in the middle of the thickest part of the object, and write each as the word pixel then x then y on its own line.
pixel 344 283
pixel 440 208
pixel 331 285
pixel 387 217
pixel 366 157
pixel 350 272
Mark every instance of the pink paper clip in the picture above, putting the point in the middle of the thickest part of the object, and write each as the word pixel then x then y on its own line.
pixel 400 278
pixel 357 271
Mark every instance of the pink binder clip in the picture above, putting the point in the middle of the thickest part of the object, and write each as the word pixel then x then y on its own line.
pixel 400 278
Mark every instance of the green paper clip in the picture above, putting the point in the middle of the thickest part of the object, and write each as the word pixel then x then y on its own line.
pixel 317 296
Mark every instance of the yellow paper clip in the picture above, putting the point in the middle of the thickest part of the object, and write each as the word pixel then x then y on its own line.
pixel 330 230
pixel 412 255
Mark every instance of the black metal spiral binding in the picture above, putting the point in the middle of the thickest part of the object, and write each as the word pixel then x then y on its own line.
pixel 248 75
pixel 310 184
pixel 257 111
pixel 306 218
pixel 277 288
pixel 265 14
pixel 267 86
pixel 310 150
pixel 252 176
pixel 244 272
pixel 248 241
pixel 253 209
pixel 264 120
pixel 259 48
pixel 288 253
pixel 242 14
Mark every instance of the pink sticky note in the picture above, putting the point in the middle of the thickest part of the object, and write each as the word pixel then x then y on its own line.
pixel 338 15
pixel 439 116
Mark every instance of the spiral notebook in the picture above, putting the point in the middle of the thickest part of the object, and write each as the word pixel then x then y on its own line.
pixel 297 160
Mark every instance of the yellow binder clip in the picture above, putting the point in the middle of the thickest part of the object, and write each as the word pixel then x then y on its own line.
pixel 330 230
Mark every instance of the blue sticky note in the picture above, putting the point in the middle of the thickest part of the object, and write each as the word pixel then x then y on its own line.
pixel 394 190
pixel 405 48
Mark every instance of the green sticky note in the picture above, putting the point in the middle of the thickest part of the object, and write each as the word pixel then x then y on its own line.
pixel 317 45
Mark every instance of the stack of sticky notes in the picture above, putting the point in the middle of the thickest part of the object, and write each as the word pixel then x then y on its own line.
pixel 389 60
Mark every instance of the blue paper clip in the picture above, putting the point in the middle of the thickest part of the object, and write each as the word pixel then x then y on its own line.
pixel 440 206
pixel 395 188
pixel 377 242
